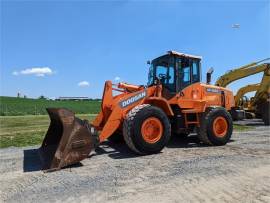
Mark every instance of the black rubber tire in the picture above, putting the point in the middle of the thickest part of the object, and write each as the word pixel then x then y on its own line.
pixel 250 115
pixel 205 131
pixel 132 129
pixel 266 113
pixel 116 137
pixel 266 119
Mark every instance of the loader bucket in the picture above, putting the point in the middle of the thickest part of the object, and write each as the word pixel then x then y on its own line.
pixel 68 140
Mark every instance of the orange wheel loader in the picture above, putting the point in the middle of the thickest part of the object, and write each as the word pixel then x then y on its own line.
pixel 174 102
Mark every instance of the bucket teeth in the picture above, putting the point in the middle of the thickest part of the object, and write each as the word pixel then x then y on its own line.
pixel 68 140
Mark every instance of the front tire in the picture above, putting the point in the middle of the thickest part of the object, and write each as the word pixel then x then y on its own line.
pixel 216 127
pixel 146 129
pixel 116 137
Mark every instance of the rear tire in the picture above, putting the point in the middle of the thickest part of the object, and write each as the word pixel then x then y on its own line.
pixel 134 125
pixel 266 113
pixel 216 127
pixel 266 119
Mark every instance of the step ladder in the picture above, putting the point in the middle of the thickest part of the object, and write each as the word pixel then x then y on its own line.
pixel 187 122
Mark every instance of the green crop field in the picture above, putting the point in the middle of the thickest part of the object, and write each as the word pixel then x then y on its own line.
pixel 24 122
pixel 12 106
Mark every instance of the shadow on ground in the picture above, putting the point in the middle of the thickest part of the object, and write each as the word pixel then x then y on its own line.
pixel 121 151
pixel 249 122
pixel 185 142
pixel 114 150
pixel 31 160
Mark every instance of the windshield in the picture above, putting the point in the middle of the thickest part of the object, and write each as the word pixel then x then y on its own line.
pixel 150 75
pixel 163 69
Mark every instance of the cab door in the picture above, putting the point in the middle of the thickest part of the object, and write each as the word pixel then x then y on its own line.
pixel 188 71
pixel 169 80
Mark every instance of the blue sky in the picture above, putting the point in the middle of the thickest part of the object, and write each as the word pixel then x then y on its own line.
pixel 91 41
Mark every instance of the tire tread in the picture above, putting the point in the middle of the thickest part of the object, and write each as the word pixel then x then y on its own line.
pixel 128 124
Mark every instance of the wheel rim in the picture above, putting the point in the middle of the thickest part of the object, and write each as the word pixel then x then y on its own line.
pixel 152 130
pixel 220 126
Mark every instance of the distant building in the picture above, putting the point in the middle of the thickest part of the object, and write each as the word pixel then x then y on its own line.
pixel 42 97
pixel 73 99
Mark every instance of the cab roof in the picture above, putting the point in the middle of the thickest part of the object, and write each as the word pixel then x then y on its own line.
pixel 184 55
pixel 178 54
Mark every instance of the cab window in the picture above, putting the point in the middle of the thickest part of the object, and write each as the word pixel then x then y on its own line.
pixel 150 75
pixel 185 73
pixel 165 72
pixel 166 76
pixel 195 72
pixel 171 74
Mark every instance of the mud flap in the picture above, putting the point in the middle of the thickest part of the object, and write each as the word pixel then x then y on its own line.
pixel 68 140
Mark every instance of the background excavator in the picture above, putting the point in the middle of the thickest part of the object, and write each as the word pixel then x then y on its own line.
pixel 249 104
pixel 173 102
pixel 259 105
pixel 243 101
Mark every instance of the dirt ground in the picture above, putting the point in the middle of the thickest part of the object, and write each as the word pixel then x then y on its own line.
pixel 185 171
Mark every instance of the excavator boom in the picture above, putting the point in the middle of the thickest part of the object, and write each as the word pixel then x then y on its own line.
pixel 259 104
pixel 263 92
pixel 242 72
pixel 244 90
pixel 262 89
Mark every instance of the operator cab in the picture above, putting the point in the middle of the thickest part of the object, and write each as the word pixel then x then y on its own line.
pixel 175 71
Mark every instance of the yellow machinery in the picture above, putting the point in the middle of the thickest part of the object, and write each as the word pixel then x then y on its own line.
pixel 259 104
pixel 243 102
pixel 240 99
pixel 242 72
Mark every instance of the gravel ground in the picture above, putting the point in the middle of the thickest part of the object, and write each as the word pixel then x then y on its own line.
pixel 185 171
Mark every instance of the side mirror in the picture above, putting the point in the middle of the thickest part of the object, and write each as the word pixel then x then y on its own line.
pixel 208 75
pixel 148 62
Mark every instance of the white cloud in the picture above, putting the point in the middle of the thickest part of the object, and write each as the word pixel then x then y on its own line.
pixel 15 73
pixel 83 84
pixel 37 71
pixel 117 78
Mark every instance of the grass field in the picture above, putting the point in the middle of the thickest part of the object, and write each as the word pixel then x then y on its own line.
pixel 24 122
pixel 12 106
pixel 242 127
pixel 22 131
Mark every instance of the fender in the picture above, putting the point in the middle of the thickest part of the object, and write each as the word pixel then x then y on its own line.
pixel 161 103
